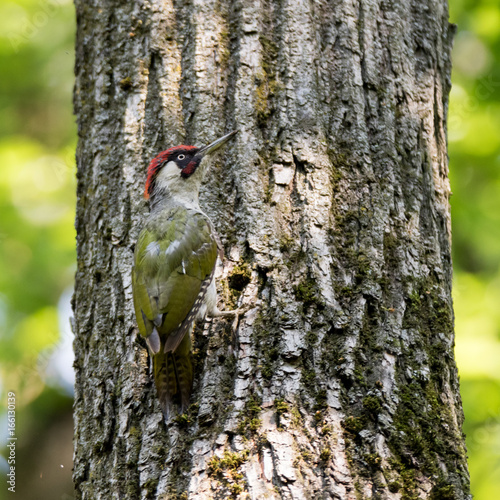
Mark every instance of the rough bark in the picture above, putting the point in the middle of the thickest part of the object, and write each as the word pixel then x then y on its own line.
pixel 333 207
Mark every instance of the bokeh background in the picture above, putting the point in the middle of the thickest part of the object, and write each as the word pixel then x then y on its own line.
pixel 37 237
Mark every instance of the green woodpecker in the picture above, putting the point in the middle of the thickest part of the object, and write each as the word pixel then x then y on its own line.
pixel 174 263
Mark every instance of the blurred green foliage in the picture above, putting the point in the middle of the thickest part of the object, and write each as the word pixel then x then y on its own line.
pixel 37 197
pixel 37 240
pixel 474 150
pixel 37 186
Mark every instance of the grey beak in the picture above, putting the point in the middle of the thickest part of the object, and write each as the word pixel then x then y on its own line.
pixel 206 150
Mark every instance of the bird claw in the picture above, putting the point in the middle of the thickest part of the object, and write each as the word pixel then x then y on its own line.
pixel 239 312
pixel 236 313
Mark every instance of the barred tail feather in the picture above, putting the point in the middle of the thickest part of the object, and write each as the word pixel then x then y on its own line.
pixel 173 373
pixel 184 371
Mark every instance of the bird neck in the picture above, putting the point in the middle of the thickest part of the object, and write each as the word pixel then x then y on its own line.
pixel 164 198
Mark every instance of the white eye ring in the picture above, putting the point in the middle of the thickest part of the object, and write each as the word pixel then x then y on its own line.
pixel 181 157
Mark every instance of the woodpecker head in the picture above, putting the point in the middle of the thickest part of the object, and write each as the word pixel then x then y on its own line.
pixel 178 171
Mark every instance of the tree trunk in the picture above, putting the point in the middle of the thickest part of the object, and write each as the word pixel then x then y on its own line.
pixel 333 208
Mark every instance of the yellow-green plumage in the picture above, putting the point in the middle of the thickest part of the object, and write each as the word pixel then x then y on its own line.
pixel 174 261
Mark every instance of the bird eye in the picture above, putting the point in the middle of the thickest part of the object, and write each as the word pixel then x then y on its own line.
pixel 181 157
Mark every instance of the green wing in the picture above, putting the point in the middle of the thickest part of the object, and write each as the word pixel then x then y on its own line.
pixel 175 257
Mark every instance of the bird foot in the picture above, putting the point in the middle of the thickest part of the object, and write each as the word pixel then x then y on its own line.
pixel 236 314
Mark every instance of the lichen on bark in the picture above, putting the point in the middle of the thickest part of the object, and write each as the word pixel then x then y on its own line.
pixel 333 209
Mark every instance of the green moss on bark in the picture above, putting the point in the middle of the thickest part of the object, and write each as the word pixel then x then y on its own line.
pixel 227 472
